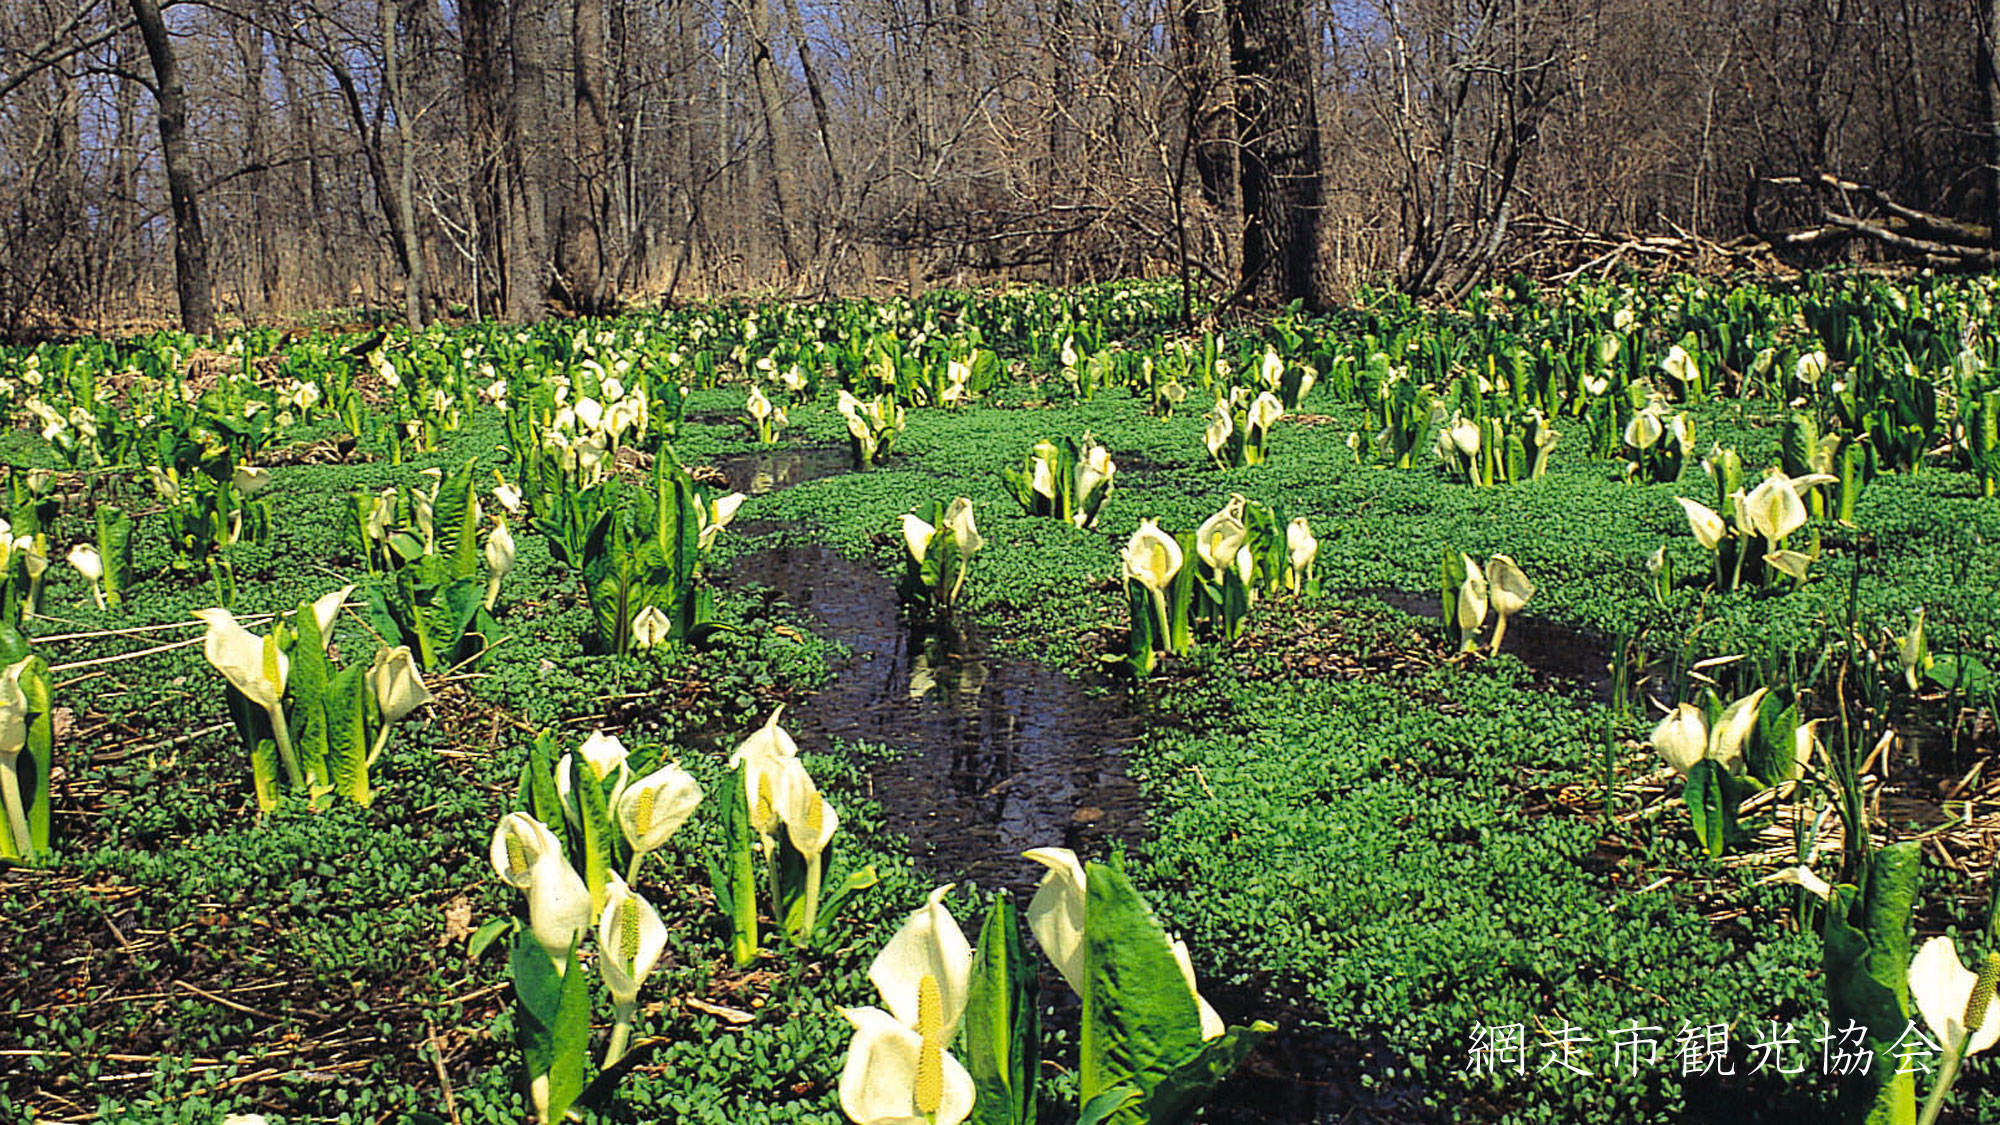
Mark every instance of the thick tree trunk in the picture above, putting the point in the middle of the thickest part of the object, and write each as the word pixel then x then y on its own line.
pixel 784 158
pixel 525 237
pixel 590 251
pixel 482 25
pixel 1279 126
pixel 191 279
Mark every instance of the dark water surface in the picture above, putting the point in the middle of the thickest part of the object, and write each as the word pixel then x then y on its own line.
pixel 997 756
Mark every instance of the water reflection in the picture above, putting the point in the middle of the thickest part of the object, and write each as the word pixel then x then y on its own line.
pixel 998 755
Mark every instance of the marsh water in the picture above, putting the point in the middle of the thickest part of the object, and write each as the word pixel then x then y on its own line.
pixel 997 755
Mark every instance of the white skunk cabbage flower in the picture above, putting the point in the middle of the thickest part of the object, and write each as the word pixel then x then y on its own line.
pixel 1056 913
pixel 715 515
pixel 958 520
pixel 326 610
pixel 1774 508
pixel 1272 369
pixel 927 961
pixel 1682 737
pixel 1913 652
pixel 896 1075
pixel 90 564
pixel 766 756
pixel 917 536
pixel 1472 598
pixel 398 687
pixel 1508 589
pixel 500 553
pixel 650 627
pixel 1212 1026
pixel 630 939
pixel 1679 364
pixel 1220 426
pixel 1943 990
pixel 1302 550
pixel 1708 527
pixel 1151 556
pixel 519 841
pixel 1644 430
pixel 1056 917
pixel 252 664
pixel 653 808
pixel 250 480
pixel 1464 435
pixel 604 757
pixel 1221 535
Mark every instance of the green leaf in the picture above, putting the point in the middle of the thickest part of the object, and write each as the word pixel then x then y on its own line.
pixel 1002 1024
pixel 861 880
pixel 571 1038
pixel 264 773
pixel 599 835
pixel 488 932
pixel 1770 754
pixel 1961 673
pixel 114 547
pixel 538 994
pixel 1140 1021
pixel 538 796
pixel 347 746
pixel 1182 1093
pixel 309 681
pixel 1710 806
pixel 1867 959
pixel 1103 1105
pixel 455 523
pixel 735 879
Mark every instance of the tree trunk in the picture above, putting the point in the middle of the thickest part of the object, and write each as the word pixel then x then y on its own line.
pixel 817 93
pixel 1279 126
pixel 525 237
pixel 784 160
pixel 485 103
pixel 191 280
pixel 1989 83
pixel 590 257
pixel 415 281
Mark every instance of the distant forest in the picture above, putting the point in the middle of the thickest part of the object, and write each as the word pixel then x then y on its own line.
pixel 205 160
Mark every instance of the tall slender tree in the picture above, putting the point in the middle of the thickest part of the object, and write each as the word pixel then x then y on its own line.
pixel 191 277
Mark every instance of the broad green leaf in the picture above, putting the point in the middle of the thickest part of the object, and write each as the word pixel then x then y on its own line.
pixel 1177 1098
pixel 488 932
pixel 264 773
pixel 538 995
pixel 1709 805
pixel 1002 1025
pixel 1101 1107
pixel 455 523
pixel 309 681
pixel 599 834
pixel 1867 959
pixel 114 547
pixel 1140 1021
pixel 571 1038
pixel 347 700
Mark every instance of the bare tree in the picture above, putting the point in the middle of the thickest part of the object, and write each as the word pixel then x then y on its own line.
pixel 1277 120
pixel 191 277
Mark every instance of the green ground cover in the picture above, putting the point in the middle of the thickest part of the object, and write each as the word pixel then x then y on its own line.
pixel 1390 848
